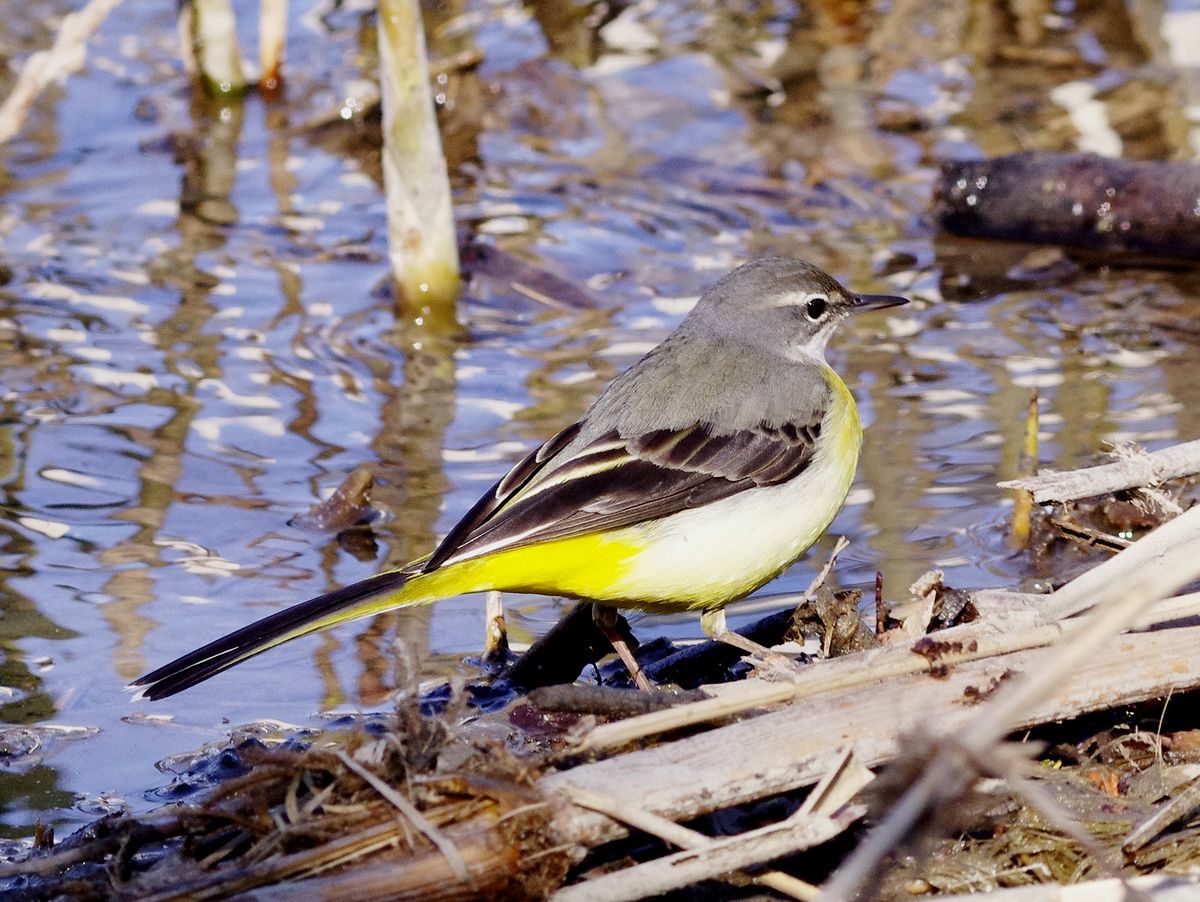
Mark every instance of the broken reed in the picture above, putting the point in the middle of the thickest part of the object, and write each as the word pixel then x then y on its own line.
pixel 208 33
pixel 422 245
pixel 272 39
pixel 1027 465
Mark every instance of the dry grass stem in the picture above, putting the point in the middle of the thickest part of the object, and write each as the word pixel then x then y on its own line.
pixel 422 243
pixel 272 39
pixel 416 818
pixel 212 31
pixel 810 593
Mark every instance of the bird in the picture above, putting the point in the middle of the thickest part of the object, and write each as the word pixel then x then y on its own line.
pixel 697 476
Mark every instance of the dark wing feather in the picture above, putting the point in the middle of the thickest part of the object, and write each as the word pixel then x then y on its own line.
pixel 512 482
pixel 614 482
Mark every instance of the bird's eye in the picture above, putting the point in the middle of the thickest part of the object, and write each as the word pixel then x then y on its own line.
pixel 815 307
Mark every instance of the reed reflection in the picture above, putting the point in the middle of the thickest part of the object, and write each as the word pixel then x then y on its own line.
pixel 191 352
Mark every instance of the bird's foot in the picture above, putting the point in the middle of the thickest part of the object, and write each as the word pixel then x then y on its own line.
pixel 776 664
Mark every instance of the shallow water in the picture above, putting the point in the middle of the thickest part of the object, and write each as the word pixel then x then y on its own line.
pixel 198 340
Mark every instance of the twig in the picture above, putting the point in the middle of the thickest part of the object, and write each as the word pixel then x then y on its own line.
pixel 1143 469
pixel 810 593
pixel 66 55
pixel 704 857
pixel 678 835
pixel 415 817
pixel 1086 535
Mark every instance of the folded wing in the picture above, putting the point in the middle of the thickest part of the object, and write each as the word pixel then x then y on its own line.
pixel 617 481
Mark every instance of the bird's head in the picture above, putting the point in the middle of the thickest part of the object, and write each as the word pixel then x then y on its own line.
pixel 782 304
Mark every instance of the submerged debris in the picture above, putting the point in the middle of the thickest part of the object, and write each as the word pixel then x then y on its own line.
pixel 348 506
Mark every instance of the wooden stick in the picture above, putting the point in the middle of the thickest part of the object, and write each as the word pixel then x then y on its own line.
pixel 715 858
pixel 835 789
pixel 841 783
pixel 1143 469
pixel 681 836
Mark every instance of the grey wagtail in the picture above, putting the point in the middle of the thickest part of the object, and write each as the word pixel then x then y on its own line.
pixel 701 473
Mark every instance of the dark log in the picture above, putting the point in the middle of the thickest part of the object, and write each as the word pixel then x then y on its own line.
pixel 1082 200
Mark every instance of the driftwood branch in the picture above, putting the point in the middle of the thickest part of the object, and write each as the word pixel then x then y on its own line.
pixel 840 784
pixel 676 834
pixel 1141 469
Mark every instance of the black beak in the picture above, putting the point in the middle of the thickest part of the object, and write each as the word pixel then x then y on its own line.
pixel 865 302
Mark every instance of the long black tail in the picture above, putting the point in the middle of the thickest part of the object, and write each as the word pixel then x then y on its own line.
pixel 376 593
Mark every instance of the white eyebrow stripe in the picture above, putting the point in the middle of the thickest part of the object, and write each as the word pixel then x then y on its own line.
pixel 799 300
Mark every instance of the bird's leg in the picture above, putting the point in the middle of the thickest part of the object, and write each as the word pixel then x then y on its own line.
pixel 606 621
pixel 713 624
